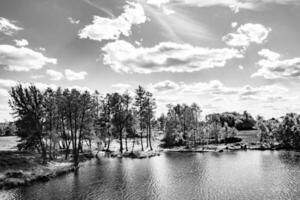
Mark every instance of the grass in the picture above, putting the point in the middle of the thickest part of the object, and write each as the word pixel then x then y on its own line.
pixel 250 136
pixel 8 143
pixel 17 161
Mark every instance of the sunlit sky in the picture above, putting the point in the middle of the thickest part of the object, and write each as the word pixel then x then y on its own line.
pixel 225 55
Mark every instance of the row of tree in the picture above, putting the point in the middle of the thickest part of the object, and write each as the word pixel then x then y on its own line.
pixel 55 121
pixel 62 121
pixel 182 126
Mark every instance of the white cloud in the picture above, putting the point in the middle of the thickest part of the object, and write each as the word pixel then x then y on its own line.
pixel 223 97
pixel 247 34
pixel 234 5
pixel 121 87
pixel 21 43
pixel 80 88
pixel 22 58
pixel 234 24
pixel 7 84
pixel 54 75
pixel 72 76
pixel 73 21
pixel 37 76
pixel 164 86
pixel 158 3
pixel 3 92
pixel 272 67
pixel 268 54
pixel 215 88
pixel 111 29
pixel 42 49
pixel 241 67
pixel 8 27
pixel 122 56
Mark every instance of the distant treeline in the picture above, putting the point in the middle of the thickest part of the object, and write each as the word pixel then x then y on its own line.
pixel 53 122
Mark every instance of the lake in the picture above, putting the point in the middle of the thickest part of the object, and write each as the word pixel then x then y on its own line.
pixel 176 176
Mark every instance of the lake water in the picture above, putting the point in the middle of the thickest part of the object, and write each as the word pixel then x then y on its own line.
pixel 176 176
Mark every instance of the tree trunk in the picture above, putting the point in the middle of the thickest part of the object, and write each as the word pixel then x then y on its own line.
pixel 126 145
pixel 67 151
pixel 121 142
pixel 147 135
pixel 108 144
pixel 133 144
pixel 76 157
pixel 44 154
pixel 142 147
pixel 150 144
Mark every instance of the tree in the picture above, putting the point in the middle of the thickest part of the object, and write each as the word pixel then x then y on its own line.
pixel 27 106
pixel 196 111
pixel 140 96
pixel 149 115
pixel 79 113
pixel 51 121
pixel 119 105
pixel 214 126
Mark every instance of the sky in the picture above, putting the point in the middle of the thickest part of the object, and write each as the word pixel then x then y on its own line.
pixel 225 55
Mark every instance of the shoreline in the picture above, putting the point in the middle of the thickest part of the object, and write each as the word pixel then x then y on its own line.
pixel 137 154
pixel 42 173
pixel 219 148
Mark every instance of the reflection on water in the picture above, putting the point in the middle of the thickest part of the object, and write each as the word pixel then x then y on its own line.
pixel 231 175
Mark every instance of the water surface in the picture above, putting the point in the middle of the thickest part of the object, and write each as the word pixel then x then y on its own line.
pixel 252 175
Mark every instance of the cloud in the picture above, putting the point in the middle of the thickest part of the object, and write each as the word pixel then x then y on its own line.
pixel 272 67
pixel 111 29
pixel 42 49
pixel 7 84
pixel 80 88
pixel 8 27
pixel 165 86
pixel 241 67
pixel 37 76
pixel 3 92
pixel 72 76
pixel 21 43
pixel 216 89
pixel 121 87
pixel 268 54
pixel 234 5
pixel 22 58
pixel 122 56
pixel 247 34
pixel 234 24
pixel 73 21
pixel 222 97
pixel 54 75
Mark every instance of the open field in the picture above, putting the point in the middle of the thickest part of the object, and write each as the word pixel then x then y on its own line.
pixel 8 143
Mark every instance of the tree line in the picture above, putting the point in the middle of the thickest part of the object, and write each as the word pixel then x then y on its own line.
pixel 65 121
pixel 62 120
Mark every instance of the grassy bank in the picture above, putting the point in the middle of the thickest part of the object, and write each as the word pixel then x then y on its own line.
pixel 21 168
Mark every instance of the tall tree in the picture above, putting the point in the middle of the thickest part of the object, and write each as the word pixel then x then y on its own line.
pixel 140 96
pixel 27 106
